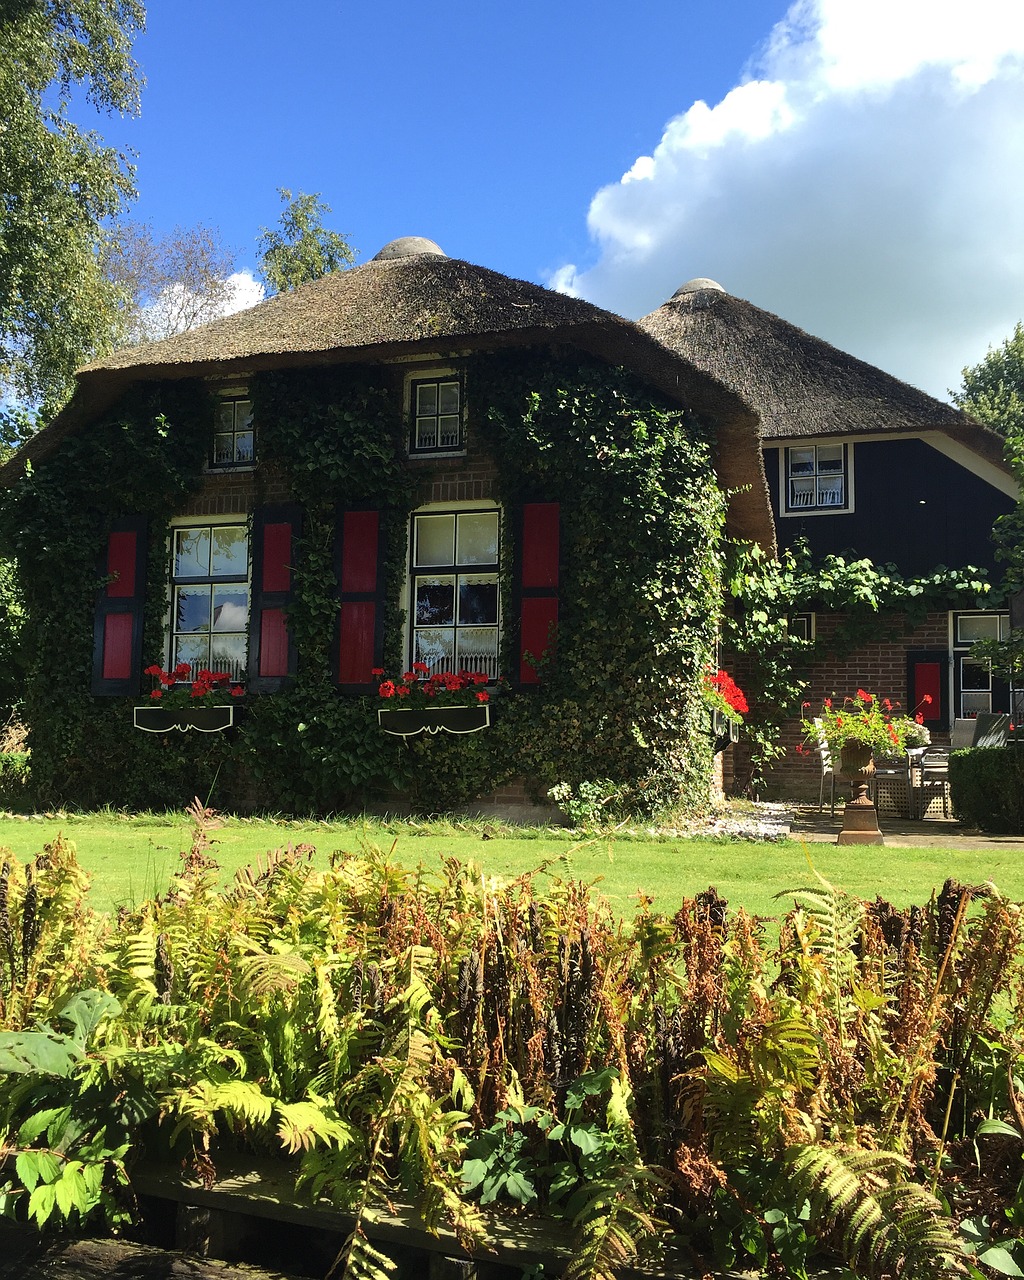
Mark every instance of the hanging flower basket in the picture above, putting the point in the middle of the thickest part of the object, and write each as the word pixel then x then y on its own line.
pixel 406 722
pixel 202 719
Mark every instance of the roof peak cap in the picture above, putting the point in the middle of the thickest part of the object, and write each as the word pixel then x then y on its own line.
pixel 409 247
pixel 700 284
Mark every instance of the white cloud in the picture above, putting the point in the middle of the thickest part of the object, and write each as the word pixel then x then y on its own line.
pixel 244 291
pixel 867 183
pixel 177 307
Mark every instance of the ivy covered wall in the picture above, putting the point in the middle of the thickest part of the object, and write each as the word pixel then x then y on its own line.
pixel 640 592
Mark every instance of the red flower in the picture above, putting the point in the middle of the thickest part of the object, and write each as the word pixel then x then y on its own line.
pixel 237 691
pixel 154 670
pixel 865 697
pixel 805 704
pixel 828 703
pixel 887 704
pixel 919 718
pixel 376 671
pixel 483 696
pixel 402 690
pixel 387 689
pixel 894 735
pixel 157 693
pixel 409 677
pixel 421 667
pixel 927 699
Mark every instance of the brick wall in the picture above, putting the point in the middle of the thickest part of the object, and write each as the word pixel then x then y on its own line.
pixel 880 668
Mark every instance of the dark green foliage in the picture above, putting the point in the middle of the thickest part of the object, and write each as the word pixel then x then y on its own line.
pixel 876 603
pixel 639 594
pixel 986 786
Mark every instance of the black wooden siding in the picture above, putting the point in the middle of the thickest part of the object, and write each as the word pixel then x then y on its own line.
pixel 915 508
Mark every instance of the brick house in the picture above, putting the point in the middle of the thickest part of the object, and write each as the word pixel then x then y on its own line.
pixel 861 465
pixel 210 577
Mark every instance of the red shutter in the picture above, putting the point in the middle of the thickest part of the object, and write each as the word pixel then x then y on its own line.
pixel 538 581
pixel 117 634
pixel 928 678
pixel 358 563
pixel 272 658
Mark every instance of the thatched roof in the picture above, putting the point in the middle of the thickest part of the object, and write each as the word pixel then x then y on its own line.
pixel 800 385
pixel 412 299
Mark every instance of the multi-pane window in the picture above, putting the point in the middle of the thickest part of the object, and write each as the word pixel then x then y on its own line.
pixel 976 689
pixel 234 443
pixel 454 591
pixel 816 478
pixel 436 416
pixel 210 597
pixel 801 626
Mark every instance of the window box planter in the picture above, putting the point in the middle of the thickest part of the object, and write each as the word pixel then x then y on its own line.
pixel 406 722
pixel 724 730
pixel 202 719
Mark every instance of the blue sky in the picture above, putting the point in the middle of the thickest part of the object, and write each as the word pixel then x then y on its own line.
pixel 854 165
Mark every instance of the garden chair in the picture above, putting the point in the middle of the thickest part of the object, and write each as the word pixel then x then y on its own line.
pixel 990 730
pixel 962 734
pixel 932 775
pixel 828 772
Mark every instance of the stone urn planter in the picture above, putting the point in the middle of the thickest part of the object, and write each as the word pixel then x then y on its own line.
pixel 860 817
pixel 165 719
pixel 406 722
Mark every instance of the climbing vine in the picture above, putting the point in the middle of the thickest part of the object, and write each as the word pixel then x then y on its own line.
pixel 874 602
pixel 639 591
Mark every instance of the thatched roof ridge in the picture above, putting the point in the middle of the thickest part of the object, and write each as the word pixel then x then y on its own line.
pixel 801 386
pixel 423 303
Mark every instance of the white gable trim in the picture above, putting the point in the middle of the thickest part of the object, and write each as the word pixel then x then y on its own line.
pixel 953 449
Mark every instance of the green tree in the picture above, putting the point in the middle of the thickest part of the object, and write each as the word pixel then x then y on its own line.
pixel 993 389
pixel 60 184
pixel 303 249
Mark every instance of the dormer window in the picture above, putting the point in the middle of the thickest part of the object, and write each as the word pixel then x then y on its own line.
pixel 234 441
pixel 817 479
pixel 436 413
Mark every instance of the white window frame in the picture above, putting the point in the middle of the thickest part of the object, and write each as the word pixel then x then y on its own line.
pixel 231 395
pixel 412 569
pixel 844 508
pixel 433 374
pixel 959 651
pixel 812 623
pixel 206 522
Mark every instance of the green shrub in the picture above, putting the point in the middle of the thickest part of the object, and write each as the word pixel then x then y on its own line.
pixel 14 772
pixel 986 786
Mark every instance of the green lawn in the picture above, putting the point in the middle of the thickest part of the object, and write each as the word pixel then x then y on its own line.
pixel 131 858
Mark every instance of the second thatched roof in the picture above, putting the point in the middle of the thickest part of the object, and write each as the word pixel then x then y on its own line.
pixel 800 385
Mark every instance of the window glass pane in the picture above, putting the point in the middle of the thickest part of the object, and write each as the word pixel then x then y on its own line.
pixel 435 601
pixel 478 650
pixel 478 538
pixel 195 650
pixel 801 462
pixel 426 398
pixel 435 540
pixel 801 493
pixel 973 703
pixel 243 415
pixel 228 654
pixel 230 608
pixel 830 458
pixel 448 431
pixel 243 447
pixel 230 551
pixel 830 492
pixel 223 450
pixel 448 398
pixel 227 415
pixel 191 553
pixel 192 608
pixel 426 433
pixel 478 599
pixel 977 627
pixel 974 676
pixel 436 648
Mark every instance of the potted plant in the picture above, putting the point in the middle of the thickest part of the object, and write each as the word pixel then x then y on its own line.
pixel 445 702
pixel 727 705
pixel 177 701
pixel 857 729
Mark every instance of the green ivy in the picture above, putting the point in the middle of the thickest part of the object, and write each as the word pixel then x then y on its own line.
pixel 639 595
pixel 876 602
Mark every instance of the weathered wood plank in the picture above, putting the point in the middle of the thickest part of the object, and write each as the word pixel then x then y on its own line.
pixel 24 1255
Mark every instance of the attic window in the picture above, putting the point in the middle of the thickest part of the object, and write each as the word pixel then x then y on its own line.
pixel 817 479
pixel 436 412
pixel 234 441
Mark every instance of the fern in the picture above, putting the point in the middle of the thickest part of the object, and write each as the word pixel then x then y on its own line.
pixel 882 1222
pixel 359 1260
